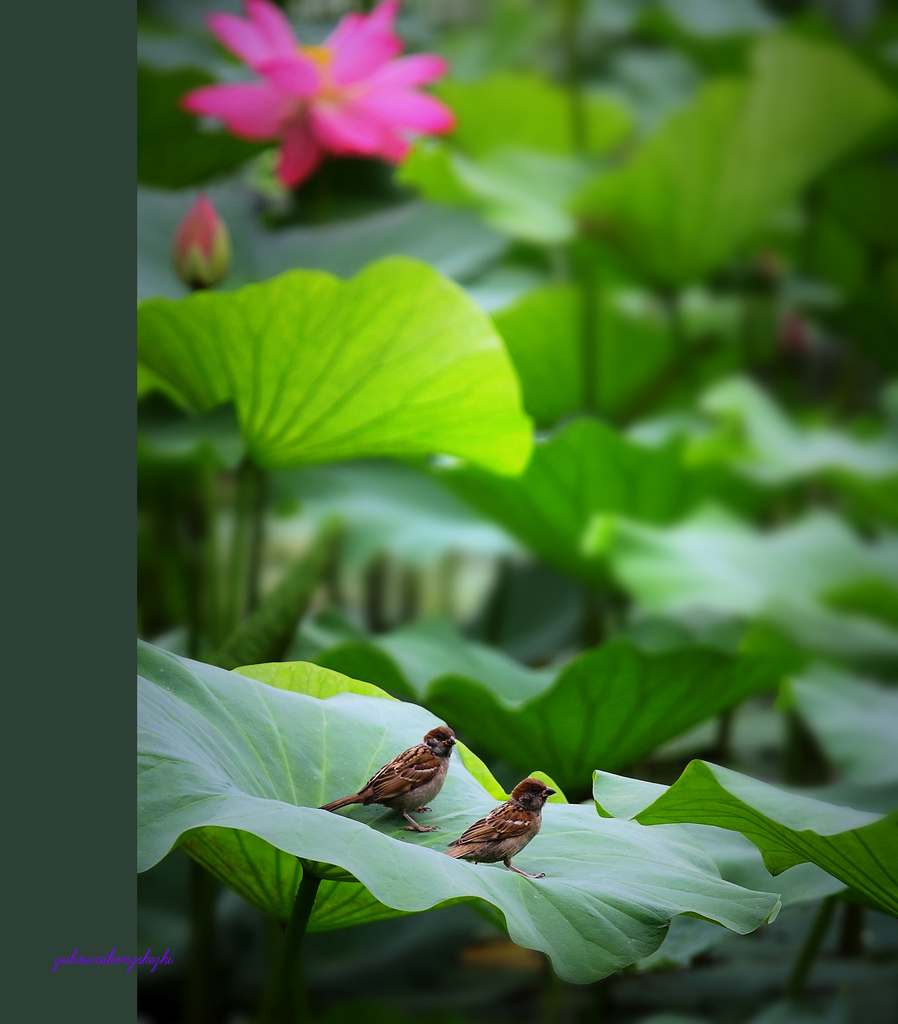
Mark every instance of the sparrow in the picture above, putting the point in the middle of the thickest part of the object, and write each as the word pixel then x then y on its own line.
pixel 507 829
pixel 409 780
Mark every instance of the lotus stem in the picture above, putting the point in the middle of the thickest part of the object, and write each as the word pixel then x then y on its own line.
pixel 199 1001
pixel 237 570
pixel 810 949
pixel 570 31
pixel 257 537
pixel 288 996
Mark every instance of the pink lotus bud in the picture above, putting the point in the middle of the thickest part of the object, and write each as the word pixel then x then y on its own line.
pixel 202 246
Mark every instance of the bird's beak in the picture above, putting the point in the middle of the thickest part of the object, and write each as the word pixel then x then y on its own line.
pixel 550 792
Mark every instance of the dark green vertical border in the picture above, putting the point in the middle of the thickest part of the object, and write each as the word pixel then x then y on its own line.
pixel 68 502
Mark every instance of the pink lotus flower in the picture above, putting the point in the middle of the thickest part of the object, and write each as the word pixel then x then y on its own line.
pixel 201 250
pixel 352 95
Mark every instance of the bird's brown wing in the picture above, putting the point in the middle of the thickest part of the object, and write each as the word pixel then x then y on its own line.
pixel 407 771
pixel 504 822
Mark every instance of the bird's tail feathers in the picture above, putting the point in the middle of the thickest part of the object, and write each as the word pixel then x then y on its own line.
pixel 459 850
pixel 345 801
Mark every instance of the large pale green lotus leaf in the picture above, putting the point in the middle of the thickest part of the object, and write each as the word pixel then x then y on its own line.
pixel 773 449
pixel 716 562
pixel 859 849
pixel 609 706
pixel 519 192
pixel 383 507
pixel 583 469
pixel 854 720
pixel 709 180
pixel 739 861
pixel 219 750
pixel 397 361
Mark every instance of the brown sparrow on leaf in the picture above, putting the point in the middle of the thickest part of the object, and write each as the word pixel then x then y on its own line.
pixel 409 780
pixel 507 829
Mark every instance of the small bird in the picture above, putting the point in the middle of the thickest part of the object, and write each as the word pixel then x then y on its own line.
pixel 410 780
pixel 507 829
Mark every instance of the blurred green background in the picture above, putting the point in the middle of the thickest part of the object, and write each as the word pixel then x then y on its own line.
pixel 682 218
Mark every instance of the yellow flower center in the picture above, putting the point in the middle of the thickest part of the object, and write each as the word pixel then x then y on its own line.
pixel 321 55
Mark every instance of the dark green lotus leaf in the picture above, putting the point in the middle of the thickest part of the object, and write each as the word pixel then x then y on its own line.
pixel 173 150
pixel 859 849
pixel 709 180
pixel 397 361
pixel 212 437
pixel 609 706
pixel 872 596
pixel 219 750
pixel 583 469
pixel 543 334
pixel 639 360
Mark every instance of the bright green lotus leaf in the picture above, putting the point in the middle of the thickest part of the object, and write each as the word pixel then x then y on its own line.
pixel 854 720
pixel 859 849
pixel 223 752
pixel 716 562
pixel 609 706
pixel 709 180
pixel 529 112
pixel 397 361
pixel 311 680
pixel 773 449
pixel 583 469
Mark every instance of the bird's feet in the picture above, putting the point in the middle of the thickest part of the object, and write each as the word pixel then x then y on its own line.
pixel 419 809
pixel 413 826
pixel 508 864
